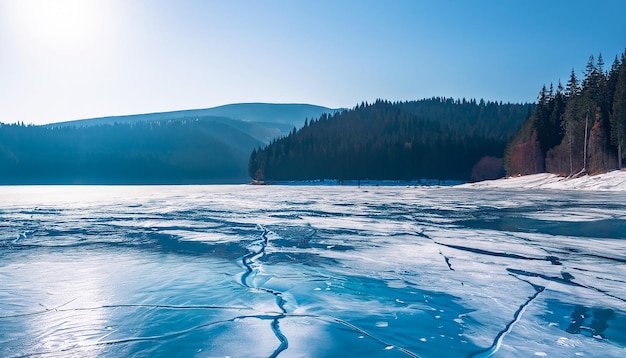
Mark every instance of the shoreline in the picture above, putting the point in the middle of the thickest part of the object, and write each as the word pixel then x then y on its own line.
pixel 611 181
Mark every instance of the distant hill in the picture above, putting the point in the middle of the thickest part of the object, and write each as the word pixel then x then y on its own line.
pixel 270 120
pixel 193 146
pixel 173 152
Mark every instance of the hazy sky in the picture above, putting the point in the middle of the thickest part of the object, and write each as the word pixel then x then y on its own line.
pixel 64 60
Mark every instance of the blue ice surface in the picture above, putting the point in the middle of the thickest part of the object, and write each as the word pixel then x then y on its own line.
pixel 241 270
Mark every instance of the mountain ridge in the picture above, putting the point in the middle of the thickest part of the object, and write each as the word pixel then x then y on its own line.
pixel 283 113
pixel 178 147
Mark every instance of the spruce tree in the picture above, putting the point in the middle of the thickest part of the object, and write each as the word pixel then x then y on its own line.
pixel 571 122
pixel 572 88
pixel 618 114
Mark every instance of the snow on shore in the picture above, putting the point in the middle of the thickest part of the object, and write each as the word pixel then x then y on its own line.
pixel 611 181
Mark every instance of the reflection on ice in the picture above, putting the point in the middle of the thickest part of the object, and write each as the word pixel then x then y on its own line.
pixel 310 271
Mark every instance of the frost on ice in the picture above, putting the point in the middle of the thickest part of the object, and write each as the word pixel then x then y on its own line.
pixel 311 271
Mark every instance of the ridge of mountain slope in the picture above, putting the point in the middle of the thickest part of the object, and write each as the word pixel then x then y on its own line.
pixel 292 114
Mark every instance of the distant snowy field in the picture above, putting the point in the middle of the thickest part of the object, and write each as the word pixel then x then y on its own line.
pixel 611 181
pixel 312 271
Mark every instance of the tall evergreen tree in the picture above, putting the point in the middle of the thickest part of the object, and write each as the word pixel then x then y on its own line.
pixel 571 121
pixel 572 88
pixel 548 117
pixel 600 64
pixel 618 114
pixel 592 127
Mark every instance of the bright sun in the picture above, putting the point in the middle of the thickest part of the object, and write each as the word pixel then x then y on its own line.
pixel 55 23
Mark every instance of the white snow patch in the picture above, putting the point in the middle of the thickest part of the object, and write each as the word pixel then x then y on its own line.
pixel 611 181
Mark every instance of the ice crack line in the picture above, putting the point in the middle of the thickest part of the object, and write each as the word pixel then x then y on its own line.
pixel 566 280
pixel 248 262
pixel 497 342
pixel 123 305
pixel 264 316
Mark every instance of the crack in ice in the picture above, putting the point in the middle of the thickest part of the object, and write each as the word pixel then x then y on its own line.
pixel 517 316
pixel 274 316
pixel 447 259
pixel 248 261
pixel 565 280
pixel 552 259
pixel 124 305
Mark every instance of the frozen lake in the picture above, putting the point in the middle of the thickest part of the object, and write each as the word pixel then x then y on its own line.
pixel 319 271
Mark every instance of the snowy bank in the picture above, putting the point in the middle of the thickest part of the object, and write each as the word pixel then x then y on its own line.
pixel 611 181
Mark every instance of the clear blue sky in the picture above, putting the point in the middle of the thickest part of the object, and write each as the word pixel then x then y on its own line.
pixel 73 59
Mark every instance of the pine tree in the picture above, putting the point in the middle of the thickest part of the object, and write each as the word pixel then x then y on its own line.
pixel 600 64
pixel 590 69
pixel 618 114
pixel 572 88
pixel 548 117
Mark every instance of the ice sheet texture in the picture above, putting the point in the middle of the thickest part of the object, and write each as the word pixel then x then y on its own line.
pixel 320 271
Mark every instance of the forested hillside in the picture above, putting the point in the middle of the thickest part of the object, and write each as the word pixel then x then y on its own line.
pixel 172 152
pixel 433 138
pixel 264 121
pixel 576 129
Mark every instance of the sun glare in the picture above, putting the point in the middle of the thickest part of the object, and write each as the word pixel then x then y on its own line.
pixel 55 23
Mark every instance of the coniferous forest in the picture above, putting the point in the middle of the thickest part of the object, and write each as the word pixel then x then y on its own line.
pixel 576 129
pixel 438 138
pixel 158 152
